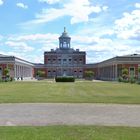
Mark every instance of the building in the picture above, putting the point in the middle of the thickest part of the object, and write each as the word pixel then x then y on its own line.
pixel 111 69
pixel 19 68
pixel 66 61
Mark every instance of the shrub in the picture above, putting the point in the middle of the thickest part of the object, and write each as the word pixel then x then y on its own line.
pixel 40 73
pixel 132 80
pixel 64 79
pixel 89 74
pixel 120 79
pixel 125 81
pixel 6 79
pixel 125 73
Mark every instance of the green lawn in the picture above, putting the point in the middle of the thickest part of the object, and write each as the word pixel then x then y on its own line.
pixel 69 133
pixel 78 92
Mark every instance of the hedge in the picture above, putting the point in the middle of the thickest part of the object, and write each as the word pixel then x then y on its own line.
pixel 64 79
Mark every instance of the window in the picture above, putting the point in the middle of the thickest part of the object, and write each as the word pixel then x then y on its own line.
pixel 65 45
pixel 70 61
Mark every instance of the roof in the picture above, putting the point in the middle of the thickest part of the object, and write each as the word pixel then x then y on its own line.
pixel 2 55
pixel 130 55
pixel 13 58
pixel 64 34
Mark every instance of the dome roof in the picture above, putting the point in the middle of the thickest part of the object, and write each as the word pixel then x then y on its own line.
pixel 64 34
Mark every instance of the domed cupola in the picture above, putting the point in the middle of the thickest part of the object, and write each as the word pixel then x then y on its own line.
pixel 64 40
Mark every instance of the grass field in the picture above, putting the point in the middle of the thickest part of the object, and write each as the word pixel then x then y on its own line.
pixel 69 133
pixel 78 92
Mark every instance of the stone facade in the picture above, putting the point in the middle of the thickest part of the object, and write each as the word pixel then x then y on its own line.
pixel 111 69
pixel 64 61
pixel 18 68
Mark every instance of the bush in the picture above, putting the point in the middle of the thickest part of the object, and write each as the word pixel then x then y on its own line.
pixel 6 79
pixel 125 81
pixel 132 80
pixel 120 79
pixel 64 79
pixel 40 73
pixel 89 75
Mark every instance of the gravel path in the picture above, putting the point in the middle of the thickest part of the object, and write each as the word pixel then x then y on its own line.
pixel 41 114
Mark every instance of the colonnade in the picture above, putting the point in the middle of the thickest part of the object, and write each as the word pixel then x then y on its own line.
pixel 22 71
pixel 108 72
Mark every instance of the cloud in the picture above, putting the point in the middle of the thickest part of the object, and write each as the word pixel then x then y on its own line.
pixel 105 8
pixel 137 5
pixel 49 1
pixel 21 5
pixel 1 2
pixel 78 11
pixel 35 37
pixel 1 37
pixel 128 26
pixel 19 46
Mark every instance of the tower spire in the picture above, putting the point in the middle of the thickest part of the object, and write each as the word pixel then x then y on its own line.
pixel 64 40
pixel 64 29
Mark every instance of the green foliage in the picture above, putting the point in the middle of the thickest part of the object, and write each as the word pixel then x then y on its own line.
pixel 89 74
pixel 64 79
pixel 6 72
pixel 120 79
pixel 125 78
pixel 139 70
pixel 40 73
pixel 6 77
pixel 132 80
pixel 125 73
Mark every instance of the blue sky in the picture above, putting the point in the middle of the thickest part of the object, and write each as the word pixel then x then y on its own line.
pixel 102 28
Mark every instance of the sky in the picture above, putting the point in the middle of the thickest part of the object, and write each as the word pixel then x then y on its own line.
pixel 102 28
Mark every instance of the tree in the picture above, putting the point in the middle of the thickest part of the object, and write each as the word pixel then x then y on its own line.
pixel 125 73
pixel 139 73
pixel 139 70
pixel 89 74
pixel 6 72
pixel 40 73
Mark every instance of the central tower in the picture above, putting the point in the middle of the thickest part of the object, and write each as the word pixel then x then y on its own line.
pixel 64 40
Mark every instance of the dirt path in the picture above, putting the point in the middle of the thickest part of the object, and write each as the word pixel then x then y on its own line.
pixel 69 114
